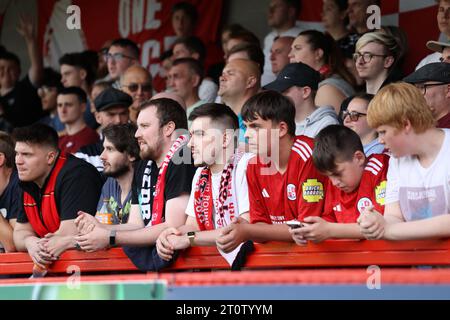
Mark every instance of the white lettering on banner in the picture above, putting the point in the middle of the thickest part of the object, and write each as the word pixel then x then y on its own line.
pixel 124 18
pixel 151 49
pixel 73 22
pixel 138 16
pixel 150 22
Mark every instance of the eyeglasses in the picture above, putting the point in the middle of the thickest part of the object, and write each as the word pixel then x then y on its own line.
pixel 354 115
pixel 117 57
pixel 423 86
pixel 133 87
pixel 366 56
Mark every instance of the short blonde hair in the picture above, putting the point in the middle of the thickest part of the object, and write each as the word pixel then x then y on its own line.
pixel 398 102
pixel 389 42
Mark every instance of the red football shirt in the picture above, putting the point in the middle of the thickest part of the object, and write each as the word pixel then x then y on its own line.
pixel 344 207
pixel 72 143
pixel 299 192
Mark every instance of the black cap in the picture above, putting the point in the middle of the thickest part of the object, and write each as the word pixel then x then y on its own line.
pixel 295 74
pixel 111 97
pixel 436 71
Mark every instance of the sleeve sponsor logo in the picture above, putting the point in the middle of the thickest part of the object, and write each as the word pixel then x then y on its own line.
pixel 380 193
pixel 312 190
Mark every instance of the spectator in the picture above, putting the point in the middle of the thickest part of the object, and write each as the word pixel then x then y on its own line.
pixel 247 51
pixel 51 84
pixel 440 47
pixel 220 183
pixel 240 80
pixel 283 183
pixel 282 19
pixel 299 82
pixel 443 22
pixel 55 187
pixel 98 87
pixel 9 193
pixel 161 185
pixel 122 54
pixel 102 70
pixel 137 82
pixel 433 80
pixel 170 95
pixel 355 182
pixel 358 15
pixel 71 104
pixel 193 47
pixel 184 19
pixel 318 50
pixel 239 37
pixel 355 118
pixel 184 80
pixel 226 34
pixel 376 56
pixel 417 192
pixel 279 53
pixel 112 108
pixel 19 97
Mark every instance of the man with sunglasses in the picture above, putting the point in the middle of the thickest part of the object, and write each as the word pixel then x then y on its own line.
pixel 136 82
pixel 433 80
pixel 122 54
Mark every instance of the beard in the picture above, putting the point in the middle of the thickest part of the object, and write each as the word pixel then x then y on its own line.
pixel 151 153
pixel 118 172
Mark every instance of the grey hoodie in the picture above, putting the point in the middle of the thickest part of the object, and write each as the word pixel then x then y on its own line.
pixel 316 121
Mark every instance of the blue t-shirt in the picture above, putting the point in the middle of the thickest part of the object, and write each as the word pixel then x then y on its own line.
pixel 242 129
pixel 111 191
pixel 10 199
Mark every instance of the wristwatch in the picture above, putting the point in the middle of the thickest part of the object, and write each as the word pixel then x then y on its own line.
pixel 112 239
pixel 191 237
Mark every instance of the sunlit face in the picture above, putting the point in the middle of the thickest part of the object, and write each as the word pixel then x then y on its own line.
pixel 33 161
pixel 377 64
pixel 347 174
pixel 233 81
pixel 360 126
pixel 182 24
pixel 279 54
pixel 443 17
pixel 262 136
pixel 112 116
pixel 182 81
pixel 115 163
pixel 301 51
pixel 394 140
pixel 149 134
pixel 206 141
pixel 72 76
pixel 70 109
pixel 119 59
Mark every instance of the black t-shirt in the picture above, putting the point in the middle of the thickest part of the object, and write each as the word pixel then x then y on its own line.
pixel 9 199
pixel 22 105
pixel 78 187
pixel 178 181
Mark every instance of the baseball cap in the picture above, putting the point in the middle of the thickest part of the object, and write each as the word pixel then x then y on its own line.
pixel 112 97
pixel 436 71
pixel 295 74
pixel 437 46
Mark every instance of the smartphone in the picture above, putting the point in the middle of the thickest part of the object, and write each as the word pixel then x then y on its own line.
pixel 294 224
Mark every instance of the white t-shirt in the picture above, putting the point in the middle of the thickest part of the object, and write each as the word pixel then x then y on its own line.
pixel 421 192
pixel 239 181
pixel 208 90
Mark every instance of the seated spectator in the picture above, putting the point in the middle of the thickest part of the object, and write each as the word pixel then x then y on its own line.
pixel 170 95
pixel 355 182
pixel 247 51
pixel 184 80
pixel 442 47
pixel 355 118
pixel 376 56
pixel 55 187
pixel 9 193
pixel 160 189
pixel 319 51
pixel 98 87
pixel 300 82
pixel 112 108
pixel 240 80
pixel 137 82
pixel 283 183
pixel 433 80
pixel 19 100
pixel 102 70
pixel 122 54
pixel 226 33
pixel 193 47
pixel 279 53
pixel 219 183
pixel 51 84
pixel 71 103
pixel 443 22
pixel 417 192
pixel 241 36
pixel 358 14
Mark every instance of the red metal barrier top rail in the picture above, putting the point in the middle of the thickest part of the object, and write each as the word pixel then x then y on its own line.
pixel 273 255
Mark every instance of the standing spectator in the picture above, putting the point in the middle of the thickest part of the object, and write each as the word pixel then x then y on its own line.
pixel 48 92
pixel 318 50
pixel 433 80
pixel 9 193
pixel 55 187
pixel 122 54
pixel 137 82
pixel 357 14
pixel 279 53
pixel 282 19
pixel 355 118
pixel 19 100
pixel 299 82
pixel 184 19
pixel 184 79
pixel 376 57
pixel 71 104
